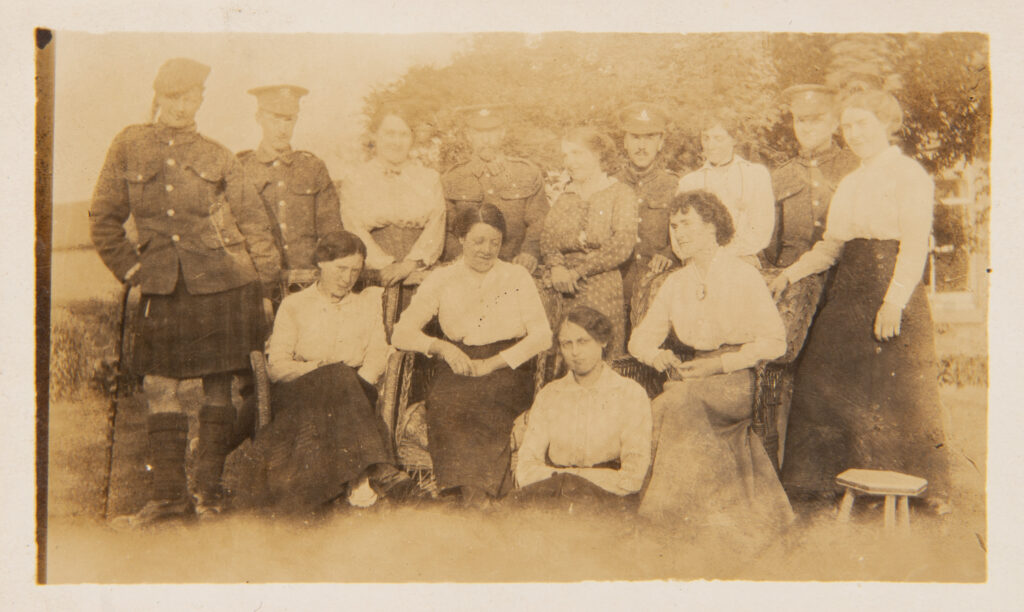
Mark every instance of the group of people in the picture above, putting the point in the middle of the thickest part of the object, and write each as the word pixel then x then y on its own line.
pixel 670 269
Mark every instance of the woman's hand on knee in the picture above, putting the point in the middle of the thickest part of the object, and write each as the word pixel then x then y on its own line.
pixel 666 360
pixel 701 367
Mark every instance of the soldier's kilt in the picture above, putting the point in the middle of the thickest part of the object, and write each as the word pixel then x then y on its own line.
pixel 187 336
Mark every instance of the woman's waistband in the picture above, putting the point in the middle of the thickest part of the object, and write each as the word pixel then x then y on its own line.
pixel 687 353
pixel 483 351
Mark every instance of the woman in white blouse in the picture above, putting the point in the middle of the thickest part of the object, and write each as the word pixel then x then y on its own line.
pixel 866 389
pixel 709 467
pixel 325 355
pixel 744 187
pixel 588 437
pixel 395 205
pixel 493 322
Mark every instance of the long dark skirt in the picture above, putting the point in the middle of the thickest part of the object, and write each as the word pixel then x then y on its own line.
pixel 469 421
pixel 325 432
pixel 858 402
pixel 187 336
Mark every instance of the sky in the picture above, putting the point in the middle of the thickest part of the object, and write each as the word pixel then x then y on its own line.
pixel 104 82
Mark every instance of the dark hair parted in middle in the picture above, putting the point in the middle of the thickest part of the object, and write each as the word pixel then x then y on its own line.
pixel 595 323
pixel 336 245
pixel 709 208
pixel 597 142
pixel 486 213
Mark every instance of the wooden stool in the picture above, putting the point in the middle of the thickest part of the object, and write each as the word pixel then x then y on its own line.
pixel 892 485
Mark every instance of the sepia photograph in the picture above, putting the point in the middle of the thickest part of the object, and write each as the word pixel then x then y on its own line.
pixel 514 307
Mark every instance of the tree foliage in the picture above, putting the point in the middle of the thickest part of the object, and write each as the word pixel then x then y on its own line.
pixel 558 80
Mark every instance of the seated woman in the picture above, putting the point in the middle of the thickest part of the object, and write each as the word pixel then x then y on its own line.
pixel 588 438
pixel 395 205
pixel 325 354
pixel 588 235
pixel 709 467
pixel 493 322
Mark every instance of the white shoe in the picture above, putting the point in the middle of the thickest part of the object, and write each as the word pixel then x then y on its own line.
pixel 361 494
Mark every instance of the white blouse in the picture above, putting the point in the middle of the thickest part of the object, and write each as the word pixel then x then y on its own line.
pixel 890 197
pixel 745 188
pixel 477 309
pixel 736 308
pixel 373 197
pixel 311 328
pixel 577 426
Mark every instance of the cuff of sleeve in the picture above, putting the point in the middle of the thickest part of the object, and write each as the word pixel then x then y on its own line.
pixel 897 295
pixel 379 262
pixel 368 376
pixel 513 357
pixel 422 345
pixel 581 269
pixel 732 362
pixel 554 259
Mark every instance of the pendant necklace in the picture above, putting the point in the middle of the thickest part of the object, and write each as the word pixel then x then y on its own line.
pixel 702 288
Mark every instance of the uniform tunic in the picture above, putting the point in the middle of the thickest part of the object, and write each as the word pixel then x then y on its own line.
pixel 300 199
pixel 745 188
pixel 515 186
pixel 803 191
pixel 654 189
pixel 594 237
pixel 204 246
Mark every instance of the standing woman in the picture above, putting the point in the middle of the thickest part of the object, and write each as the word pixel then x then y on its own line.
pixel 395 205
pixel 744 187
pixel 709 466
pixel 589 234
pixel 493 321
pixel 866 390
pixel 205 247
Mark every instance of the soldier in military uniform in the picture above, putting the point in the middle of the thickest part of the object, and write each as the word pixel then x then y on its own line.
pixel 206 263
pixel 804 185
pixel 644 136
pixel 514 185
pixel 803 189
pixel 295 186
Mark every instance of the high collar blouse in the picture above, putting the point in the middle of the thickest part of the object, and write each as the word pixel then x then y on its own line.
pixel 729 305
pixel 889 197
pixel 410 196
pixel 477 309
pixel 745 188
pixel 582 426
pixel 311 329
